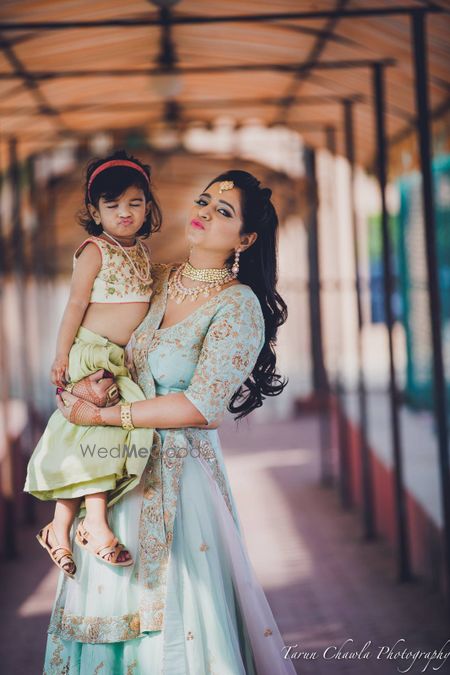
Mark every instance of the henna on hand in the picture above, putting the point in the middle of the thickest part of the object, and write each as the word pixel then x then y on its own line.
pixel 84 389
pixel 84 413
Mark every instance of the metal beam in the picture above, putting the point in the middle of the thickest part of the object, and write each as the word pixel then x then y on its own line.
pixel 419 47
pixel 30 83
pixel 366 467
pixel 403 555
pixel 313 57
pixel 132 106
pixel 183 20
pixel 41 75
pixel 319 372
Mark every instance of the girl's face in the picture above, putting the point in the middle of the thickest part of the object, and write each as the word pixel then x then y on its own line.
pixel 123 216
pixel 216 220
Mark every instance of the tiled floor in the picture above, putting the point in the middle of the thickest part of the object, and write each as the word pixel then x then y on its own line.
pixel 325 584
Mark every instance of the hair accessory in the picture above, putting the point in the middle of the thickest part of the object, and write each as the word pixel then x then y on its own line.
pixel 226 185
pixel 125 417
pixel 112 163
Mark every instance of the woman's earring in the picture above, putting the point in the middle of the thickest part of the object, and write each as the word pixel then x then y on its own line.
pixel 235 268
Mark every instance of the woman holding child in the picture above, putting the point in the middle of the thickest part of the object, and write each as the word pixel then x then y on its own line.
pixel 189 602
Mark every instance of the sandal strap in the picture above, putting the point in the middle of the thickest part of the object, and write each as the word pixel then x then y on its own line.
pixel 83 532
pixel 64 560
pixel 113 548
pixel 65 552
pixel 61 555
pixel 109 549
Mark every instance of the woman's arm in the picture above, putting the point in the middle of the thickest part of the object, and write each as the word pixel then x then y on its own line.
pixel 229 352
pixel 172 411
pixel 84 273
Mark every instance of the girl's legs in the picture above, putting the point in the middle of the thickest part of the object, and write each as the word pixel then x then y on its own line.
pixel 96 522
pixel 65 512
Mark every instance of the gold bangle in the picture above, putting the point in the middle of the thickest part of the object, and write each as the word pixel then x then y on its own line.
pixel 125 417
pixel 69 387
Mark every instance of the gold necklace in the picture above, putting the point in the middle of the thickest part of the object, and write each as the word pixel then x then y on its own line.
pixel 178 292
pixel 211 275
pixel 146 278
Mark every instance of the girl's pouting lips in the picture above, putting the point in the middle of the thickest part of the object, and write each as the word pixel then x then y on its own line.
pixel 197 224
pixel 126 221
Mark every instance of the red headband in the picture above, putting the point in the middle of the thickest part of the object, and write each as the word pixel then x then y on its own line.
pixel 109 165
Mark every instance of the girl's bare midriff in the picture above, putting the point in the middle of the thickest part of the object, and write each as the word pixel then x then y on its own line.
pixel 115 321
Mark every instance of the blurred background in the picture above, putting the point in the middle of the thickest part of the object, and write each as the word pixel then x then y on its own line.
pixel 342 108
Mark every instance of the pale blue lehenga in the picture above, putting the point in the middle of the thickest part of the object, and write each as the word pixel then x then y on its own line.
pixel 191 604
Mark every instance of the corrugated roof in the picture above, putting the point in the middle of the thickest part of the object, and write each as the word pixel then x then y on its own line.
pixel 76 79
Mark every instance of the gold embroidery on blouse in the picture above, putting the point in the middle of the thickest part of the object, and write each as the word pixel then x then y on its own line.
pixel 190 636
pixel 97 668
pixel 267 632
pixel 204 547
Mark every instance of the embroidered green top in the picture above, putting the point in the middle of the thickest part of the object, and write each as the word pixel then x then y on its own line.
pixel 117 280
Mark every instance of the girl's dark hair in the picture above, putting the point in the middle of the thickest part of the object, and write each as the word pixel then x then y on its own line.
pixel 258 269
pixel 113 182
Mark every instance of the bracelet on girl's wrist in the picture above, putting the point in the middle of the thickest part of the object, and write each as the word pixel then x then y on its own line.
pixel 125 417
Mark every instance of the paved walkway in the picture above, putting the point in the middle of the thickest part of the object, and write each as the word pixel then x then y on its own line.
pixel 324 584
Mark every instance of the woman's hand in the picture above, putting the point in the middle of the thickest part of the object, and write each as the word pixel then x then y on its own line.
pixel 60 371
pixel 78 411
pixel 98 389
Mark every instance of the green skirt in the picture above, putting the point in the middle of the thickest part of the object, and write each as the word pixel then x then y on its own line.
pixel 72 461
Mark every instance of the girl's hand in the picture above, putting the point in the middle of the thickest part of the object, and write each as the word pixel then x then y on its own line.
pixel 99 388
pixel 60 371
pixel 78 411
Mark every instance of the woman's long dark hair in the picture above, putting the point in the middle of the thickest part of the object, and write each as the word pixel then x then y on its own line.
pixel 113 182
pixel 258 269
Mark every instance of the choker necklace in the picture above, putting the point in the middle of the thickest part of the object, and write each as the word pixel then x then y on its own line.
pixel 213 279
pixel 147 276
pixel 207 275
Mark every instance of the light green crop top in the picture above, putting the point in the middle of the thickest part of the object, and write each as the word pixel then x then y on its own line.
pixel 120 280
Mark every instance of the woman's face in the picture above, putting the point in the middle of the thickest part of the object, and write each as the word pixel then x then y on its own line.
pixel 216 220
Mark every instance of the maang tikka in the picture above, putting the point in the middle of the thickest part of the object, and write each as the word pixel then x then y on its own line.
pixel 225 185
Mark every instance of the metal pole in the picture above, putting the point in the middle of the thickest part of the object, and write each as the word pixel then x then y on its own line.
pixel 320 377
pixel 440 404
pixel 403 560
pixel 339 391
pixel 366 468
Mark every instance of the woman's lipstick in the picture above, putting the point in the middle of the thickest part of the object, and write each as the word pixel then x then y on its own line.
pixel 197 224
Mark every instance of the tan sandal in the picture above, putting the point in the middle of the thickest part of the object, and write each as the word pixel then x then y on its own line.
pixel 60 555
pixel 84 539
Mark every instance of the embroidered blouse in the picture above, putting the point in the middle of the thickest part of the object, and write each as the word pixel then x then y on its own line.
pixel 209 353
pixel 117 280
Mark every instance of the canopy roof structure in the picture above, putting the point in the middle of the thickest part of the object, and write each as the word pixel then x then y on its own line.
pixel 71 68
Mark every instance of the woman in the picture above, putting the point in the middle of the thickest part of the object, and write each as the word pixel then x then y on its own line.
pixel 191 603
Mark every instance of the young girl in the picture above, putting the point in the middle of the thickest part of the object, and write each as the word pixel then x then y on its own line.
pixel 93 467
